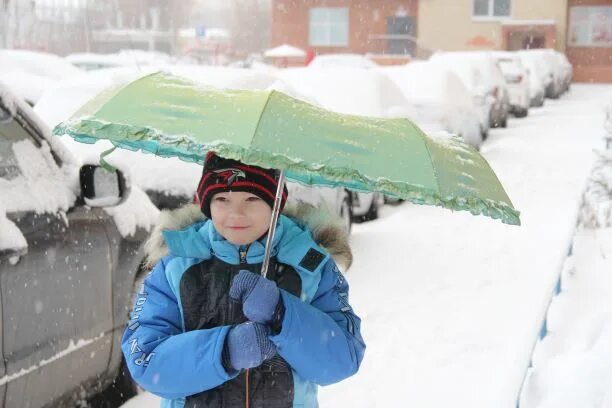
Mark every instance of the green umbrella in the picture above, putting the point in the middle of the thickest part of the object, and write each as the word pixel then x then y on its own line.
pixel 171 116
pixel 174 117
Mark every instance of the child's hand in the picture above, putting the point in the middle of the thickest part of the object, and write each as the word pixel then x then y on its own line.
pixel 259 296
pixel 247 345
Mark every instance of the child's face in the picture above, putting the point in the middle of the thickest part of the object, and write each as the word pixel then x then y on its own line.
pixel 240 217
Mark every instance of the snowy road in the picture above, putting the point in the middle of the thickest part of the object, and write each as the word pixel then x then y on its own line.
pixel 451 303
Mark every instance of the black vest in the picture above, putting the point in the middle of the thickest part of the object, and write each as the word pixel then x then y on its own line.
pixel 204 289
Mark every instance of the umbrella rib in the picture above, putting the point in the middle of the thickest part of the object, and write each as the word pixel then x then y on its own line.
pixel 433 167
pixel 261 113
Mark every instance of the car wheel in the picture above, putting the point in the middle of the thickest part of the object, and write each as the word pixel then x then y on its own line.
pixel 521 113
pixel 483 134
pixel 372 213
pixel 504 122
pixel 346 214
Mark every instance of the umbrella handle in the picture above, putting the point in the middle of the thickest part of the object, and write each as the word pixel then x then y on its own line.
pixel 273 221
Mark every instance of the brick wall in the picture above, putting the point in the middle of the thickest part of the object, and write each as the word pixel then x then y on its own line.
pixel 591 64
pixel 367 19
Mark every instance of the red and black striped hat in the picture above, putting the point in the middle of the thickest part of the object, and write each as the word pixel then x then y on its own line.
pixel 221 175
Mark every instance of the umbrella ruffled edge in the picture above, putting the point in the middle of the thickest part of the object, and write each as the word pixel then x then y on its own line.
pixel 154 142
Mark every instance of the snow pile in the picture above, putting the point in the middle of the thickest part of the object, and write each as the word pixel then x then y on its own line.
pixel 596 211
pixel 571 366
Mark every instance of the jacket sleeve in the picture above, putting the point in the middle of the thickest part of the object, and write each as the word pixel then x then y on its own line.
pixel 160 356
pixel 322 340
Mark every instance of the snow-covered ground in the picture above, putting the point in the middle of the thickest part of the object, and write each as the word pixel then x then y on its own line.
pixel 452 304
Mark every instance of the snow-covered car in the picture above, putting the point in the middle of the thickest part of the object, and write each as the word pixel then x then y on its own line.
pixel 547 61
pixel 67 270
pixel 438 99
pixel 536 75
pixel 565 69
pixel 487 82
pixel 342 60
pixel 517 81
pixel 471 77
pixel 123 58
pixel 29 74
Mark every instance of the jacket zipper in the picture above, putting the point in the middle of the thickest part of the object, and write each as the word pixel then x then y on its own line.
pixel 242 252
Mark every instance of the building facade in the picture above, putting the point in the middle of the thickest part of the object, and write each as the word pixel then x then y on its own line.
pixel 492 24
pixel 380 27
pixel 589 44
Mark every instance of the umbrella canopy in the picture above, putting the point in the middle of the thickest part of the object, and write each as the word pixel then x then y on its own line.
pixel 285 51
pixel 173 117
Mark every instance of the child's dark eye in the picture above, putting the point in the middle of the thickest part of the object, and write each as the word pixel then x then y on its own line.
pixel 254 198
pixel 221 199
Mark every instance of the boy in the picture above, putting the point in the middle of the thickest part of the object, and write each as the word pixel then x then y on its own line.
pixel 208 330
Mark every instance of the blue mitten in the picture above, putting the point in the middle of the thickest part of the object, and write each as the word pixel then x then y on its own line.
pixel 259 296
pixel 246 346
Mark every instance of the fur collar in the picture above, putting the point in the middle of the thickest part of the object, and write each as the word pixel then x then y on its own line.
pixel 327 231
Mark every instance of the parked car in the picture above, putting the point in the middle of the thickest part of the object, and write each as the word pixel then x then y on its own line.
pixel 565 70
pixel 471 77
pixel 342 60
pixel 123 58
pixel 437 99
pixel 480 71
pixel 29 74
pixel 517 81
pixel 548 62
pixel 536 78
pixel 67 272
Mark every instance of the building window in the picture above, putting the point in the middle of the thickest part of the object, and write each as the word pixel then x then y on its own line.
pixel 491 8
pixel 590 26
pixel 329 26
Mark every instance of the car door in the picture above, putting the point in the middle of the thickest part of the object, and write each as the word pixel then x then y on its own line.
pixel 56 298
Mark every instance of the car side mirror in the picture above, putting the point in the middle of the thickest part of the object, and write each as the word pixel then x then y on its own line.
pixel 101 187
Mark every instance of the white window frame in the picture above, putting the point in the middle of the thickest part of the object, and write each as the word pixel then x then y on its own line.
pixel 489 16
pixel 588 24
pixel 327 27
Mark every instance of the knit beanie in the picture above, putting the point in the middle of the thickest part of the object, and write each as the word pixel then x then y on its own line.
pixel 222 175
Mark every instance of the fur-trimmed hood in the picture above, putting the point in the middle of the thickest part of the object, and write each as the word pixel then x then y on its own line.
pixel 327 231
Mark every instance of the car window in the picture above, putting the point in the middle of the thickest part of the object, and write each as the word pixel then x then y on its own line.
pixel 10 133
pixel 30 179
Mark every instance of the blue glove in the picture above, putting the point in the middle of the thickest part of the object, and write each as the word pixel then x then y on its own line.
pixel 246 346
pixel 259 296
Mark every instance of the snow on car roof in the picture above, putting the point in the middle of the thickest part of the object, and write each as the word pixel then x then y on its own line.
pixel 419 79
pixel 342 60
pixel 348 90
pixel 29 87
pixel 38 63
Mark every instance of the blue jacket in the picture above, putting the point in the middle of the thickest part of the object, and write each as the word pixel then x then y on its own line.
pixel 320 337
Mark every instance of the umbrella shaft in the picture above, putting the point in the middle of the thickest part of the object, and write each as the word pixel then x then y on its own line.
pixel 273 221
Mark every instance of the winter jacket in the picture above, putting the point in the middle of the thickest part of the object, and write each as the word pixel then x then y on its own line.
pixel 175 337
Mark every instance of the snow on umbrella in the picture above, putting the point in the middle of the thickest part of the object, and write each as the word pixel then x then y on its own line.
pixel 173 117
